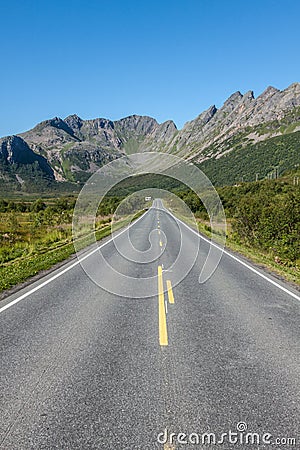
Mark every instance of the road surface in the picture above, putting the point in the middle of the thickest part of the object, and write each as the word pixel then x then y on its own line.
pixel 85 368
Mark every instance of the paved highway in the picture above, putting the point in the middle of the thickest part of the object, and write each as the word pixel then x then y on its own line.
pixel 85 368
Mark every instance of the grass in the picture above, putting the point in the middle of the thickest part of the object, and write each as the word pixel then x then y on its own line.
pixel 289 273
pixel 132 146
pixel 24 267
pixel 41 258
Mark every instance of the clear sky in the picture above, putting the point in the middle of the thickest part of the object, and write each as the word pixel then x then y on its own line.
pixel 169 59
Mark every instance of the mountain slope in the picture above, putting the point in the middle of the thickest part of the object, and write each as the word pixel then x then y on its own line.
pixel 75 148
pixel 268 158
pixel 242 117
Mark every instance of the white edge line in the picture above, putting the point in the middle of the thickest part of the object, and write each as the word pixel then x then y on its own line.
pixel 57 275
pixel 257 272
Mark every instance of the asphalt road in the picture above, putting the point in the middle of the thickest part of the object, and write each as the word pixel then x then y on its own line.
pixel 85 368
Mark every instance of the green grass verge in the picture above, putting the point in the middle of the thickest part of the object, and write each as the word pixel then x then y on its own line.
pixel 20 269
pixel 260 258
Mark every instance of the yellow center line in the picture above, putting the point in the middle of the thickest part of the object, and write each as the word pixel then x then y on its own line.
pixel 160 243
pixel 159 232
pixel 162 319
pixel 170 292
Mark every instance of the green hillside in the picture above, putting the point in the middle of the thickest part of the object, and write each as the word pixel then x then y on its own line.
pixel 242 164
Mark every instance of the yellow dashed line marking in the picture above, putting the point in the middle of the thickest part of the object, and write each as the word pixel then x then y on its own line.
pixel 170 292
pixel 160 243
pixel 162 318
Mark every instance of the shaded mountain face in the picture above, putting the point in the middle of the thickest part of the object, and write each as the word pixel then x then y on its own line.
pixel 19 165
pixel 71 149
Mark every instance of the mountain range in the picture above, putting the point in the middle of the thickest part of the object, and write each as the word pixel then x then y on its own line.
pixel 244 139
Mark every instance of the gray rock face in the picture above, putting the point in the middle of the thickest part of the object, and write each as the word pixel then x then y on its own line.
pixel 165 131
pixel 74 122
pixel 140 125
pixel 16 159
pixel 14 150
pixel 160 137
pixel 232 102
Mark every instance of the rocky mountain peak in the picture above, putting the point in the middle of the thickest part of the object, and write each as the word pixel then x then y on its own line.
pixel 231 103
pixel 168 125
pixel 142 125
pixel 74 122
pixel 248 97
pixel 99 124
pixel 294 87
pixel 268 93
pixel 55 122
pixel 165 131
pixel 289 97
pixel 204 117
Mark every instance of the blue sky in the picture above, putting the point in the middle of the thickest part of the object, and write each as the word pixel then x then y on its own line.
pixel 168 59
